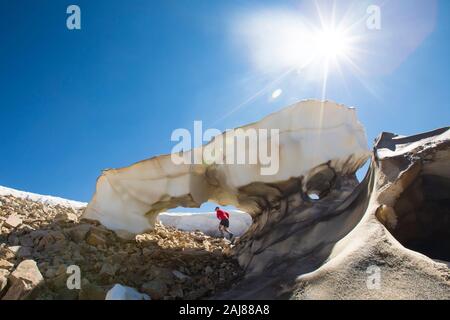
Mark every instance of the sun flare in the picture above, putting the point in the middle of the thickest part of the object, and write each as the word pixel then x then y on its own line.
pixel 332 43
pixel 302 49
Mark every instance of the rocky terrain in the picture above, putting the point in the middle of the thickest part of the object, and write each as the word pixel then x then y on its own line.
pixel 39 241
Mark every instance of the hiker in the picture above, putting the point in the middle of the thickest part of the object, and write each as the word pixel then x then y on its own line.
pixel 224 218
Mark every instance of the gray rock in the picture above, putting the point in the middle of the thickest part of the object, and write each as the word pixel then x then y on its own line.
pixel 26 241
pixel 209 270
pixel 24 252
pixel 181 276
pixel 108 270
pixel 156 288
pixel 79 232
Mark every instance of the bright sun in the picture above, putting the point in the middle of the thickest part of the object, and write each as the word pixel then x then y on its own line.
pixel 331 43
pixel 289 45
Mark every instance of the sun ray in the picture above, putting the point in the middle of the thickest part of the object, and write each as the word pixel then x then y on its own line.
pixel 359 74
pixel 341 75
pixel 254 96
pixel 319 13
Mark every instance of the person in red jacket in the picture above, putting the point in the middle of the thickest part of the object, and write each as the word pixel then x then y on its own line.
pixel 224 218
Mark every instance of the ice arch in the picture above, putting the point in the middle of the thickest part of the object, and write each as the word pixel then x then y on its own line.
pixel 317 142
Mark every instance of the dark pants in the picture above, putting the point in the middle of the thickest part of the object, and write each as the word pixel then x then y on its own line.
pixel 225 223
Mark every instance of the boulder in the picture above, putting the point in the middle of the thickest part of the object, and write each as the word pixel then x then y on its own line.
pixel 25 252
pixel 59 276
pixel 108 270
pixel 156 288
pixel 66 216
pixel 26 241
pixel 95 239
pixel 24 281
pixel 79 232
pixel 176 292
pixel 180 276
pixel 208 270
pixel 14 221
pixel 163 274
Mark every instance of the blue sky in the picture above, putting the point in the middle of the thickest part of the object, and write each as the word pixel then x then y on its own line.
pixel 75 102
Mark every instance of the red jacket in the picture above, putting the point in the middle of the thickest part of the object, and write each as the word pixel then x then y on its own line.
pixel 222 215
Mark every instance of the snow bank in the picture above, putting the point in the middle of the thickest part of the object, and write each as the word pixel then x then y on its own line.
pixel 120 292
pixel 49 200
pixel 206 222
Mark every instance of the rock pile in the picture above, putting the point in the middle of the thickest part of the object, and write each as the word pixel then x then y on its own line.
pixel 38 242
